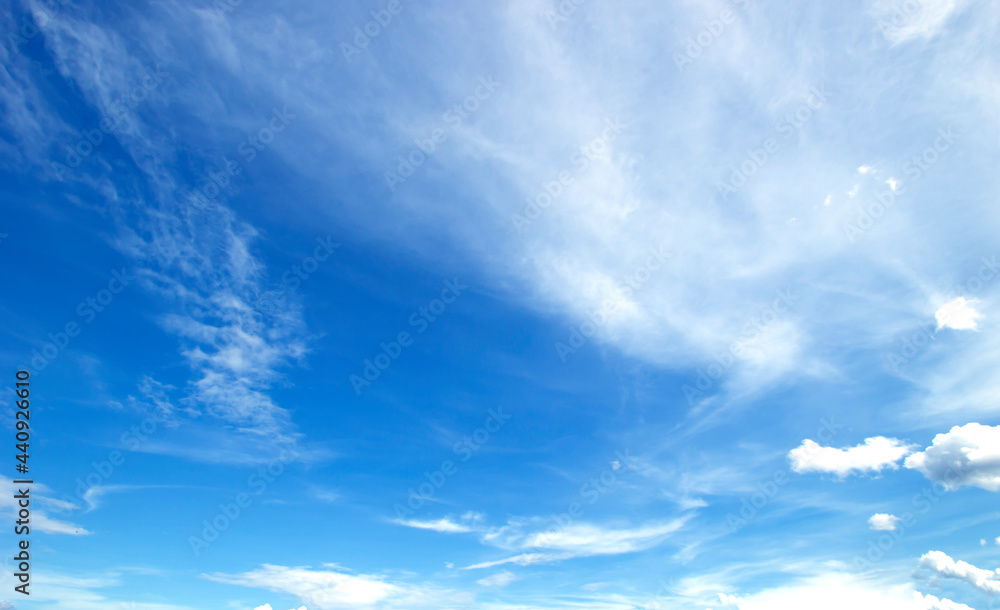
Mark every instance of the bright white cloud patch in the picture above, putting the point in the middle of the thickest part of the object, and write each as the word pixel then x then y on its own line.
pixel 944 566
pixel 882 522
pixel 836 591
pixel 332 589
pixel 444 525
pixel 967 455
pixel 876 454
pixel 958 314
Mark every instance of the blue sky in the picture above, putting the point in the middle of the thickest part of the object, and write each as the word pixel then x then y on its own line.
pixel 528 304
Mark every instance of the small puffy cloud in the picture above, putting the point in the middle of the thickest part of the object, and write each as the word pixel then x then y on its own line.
pixel 876 454
pixel 866 169
pixel 957 314
pixel 500 579
pixel 943 566
pixel 967 455
pixel 882 522
pixel 893 184
pixel 854 191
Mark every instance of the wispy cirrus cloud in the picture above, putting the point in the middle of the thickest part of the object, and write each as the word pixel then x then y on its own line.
pixel 577 539
pixel 40 519
pixel 330 588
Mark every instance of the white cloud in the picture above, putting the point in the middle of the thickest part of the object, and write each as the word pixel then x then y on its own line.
pixel 967 455
pixel 498 580
pixel 333 589
pixel 944 566
pixel 444 525
pixel 882 522
pixel 730 601
pixel 929 602
pixel 876 454
pixel 588 539
pixel 574 540
pixel 524 559
pixel 893 184
pixel 958 314
pixel 865 169
pixel 84 592
pixel 836 591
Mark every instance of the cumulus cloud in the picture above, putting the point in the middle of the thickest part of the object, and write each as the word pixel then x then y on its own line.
pixel 958 314
pixel 944 566
pixel 876 454
pixel 882 522
pixel 967 455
